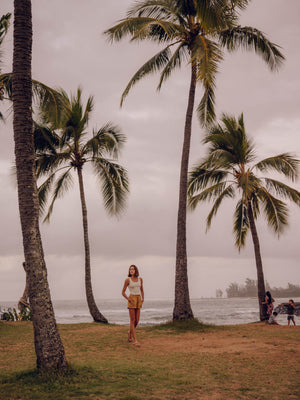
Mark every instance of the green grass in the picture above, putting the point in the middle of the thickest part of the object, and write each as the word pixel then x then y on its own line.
pixel 185 361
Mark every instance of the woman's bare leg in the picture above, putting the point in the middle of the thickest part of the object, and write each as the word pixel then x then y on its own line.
pixel 132 324
pixel 137 316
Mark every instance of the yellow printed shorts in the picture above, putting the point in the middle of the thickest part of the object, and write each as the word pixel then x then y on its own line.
pixel 136 301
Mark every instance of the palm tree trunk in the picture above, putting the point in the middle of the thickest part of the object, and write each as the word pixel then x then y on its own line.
pixel 182 307
pixel 95 313
pixel 259 268
pixel 48 346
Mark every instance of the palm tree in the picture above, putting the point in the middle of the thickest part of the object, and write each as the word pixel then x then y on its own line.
pixel 227 171
pixel 62 153
pixel 48 346
pixel 192 31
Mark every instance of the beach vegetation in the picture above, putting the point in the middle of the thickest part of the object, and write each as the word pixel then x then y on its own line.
pixel 62 147
pixel 249 289
pixel 49 349
pixel 229 170
pixel 195 33
pixel 14 315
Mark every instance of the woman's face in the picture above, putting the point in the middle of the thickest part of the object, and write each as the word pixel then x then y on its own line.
pixel 132 271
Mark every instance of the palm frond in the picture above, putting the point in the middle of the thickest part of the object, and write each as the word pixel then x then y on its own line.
pixel 166 10
pixel 43 193
pixel 108 139
pixel 47 163
pixel 6 85
pixel 285 163
pixel 140 28
pixel 241 224
pixel 249 38
pixel 45 139
pixel 50 102
pixel 227 192
pixel 209 193
pixel 283 190
pixel 215 14
pixel 114 182
pixel 206 54
pixel 200 177
pixel 154 64
pixel 241 4
pixel 275 210
pixel 255 201
pixel 88 109
pixel 229 142
pixel 4 25
pixel 63 183
pixel 174 62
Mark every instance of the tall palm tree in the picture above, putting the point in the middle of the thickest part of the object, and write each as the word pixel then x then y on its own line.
pixel 67 150
pixel 227 171
pixel 48 345
pixel 192 31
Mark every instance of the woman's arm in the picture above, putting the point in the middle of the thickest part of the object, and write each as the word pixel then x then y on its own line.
pixel 142 290
pixel 126 283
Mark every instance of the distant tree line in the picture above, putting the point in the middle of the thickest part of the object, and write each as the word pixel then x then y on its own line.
pixel 249 289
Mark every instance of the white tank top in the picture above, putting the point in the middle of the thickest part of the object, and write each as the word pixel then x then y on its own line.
pixel 135 287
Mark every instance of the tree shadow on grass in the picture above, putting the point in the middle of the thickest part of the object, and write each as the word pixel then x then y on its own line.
pixel 192 325
pixel 39 385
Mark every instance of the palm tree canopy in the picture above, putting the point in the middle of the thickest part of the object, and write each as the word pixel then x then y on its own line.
pixel 195 31
pixel 229 169
pixel 62 146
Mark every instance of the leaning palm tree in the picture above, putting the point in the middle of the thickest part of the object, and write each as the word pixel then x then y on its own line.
pixel 227 170
pixel 58 154
pixel 48 345
pixel 194 32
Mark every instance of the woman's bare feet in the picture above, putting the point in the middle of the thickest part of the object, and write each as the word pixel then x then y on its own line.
pixel 129 337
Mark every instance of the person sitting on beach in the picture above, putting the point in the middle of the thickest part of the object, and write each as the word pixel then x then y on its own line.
pixel 269 303
pixel 272 319
pixel 135 300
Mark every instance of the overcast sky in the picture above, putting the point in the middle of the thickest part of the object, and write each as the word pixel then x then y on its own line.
pixel 69 49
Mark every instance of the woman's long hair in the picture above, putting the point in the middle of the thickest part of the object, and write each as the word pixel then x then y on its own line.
pixel 268 295
pixel 136 273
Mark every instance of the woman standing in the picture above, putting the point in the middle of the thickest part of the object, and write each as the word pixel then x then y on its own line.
pixel 135 300
pixel 269 303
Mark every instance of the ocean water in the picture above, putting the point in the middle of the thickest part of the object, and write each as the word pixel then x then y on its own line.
pixel 210 311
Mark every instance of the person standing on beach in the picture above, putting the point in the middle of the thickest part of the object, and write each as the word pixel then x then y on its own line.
pixel 135 300
pixel 291 308
pixel 269 303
